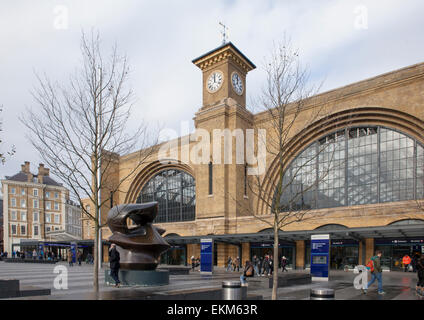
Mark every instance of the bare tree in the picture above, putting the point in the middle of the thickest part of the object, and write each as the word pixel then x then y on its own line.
pixel 80 129
pixel 13 149
pixel 284 102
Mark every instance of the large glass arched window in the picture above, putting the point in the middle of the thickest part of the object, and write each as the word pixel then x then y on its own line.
pixel 355 166
pixel 174 190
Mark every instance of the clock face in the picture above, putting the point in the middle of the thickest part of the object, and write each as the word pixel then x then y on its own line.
pixel 215 81
pixel 237 83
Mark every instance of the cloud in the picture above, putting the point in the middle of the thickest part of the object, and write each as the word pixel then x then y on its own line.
pixel 161 38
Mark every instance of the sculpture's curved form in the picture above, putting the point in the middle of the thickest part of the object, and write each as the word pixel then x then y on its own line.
pixel 141 245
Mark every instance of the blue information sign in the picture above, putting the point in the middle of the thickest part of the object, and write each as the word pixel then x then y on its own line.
pixel 320 257
pixel 74 251
pixel 206 255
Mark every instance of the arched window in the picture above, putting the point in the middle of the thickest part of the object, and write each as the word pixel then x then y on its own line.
pixel 174 190
pixel 355 166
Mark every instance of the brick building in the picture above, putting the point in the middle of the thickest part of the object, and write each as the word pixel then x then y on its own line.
pixel 372 201
pixel 36 209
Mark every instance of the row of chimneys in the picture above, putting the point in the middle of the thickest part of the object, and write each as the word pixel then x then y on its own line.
pixel 25 168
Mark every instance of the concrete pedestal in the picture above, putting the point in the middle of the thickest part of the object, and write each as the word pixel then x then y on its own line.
pixel 146 278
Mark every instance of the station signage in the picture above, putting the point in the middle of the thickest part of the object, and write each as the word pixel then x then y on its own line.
pixel 320 257
pixel 399 242
pixel 74 251
pixel 206 256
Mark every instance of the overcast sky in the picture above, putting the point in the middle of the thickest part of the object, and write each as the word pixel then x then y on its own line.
pixel 340 41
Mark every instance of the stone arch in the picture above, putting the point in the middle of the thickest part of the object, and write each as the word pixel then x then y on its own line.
pixel 149 172
pixel 361 116
pixel 406 222
pixel 331 226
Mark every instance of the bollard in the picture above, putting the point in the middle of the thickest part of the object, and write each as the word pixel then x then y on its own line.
pixel 231 290
pixel 322 294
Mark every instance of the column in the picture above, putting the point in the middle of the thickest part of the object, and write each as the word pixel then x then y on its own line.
pixel 300 254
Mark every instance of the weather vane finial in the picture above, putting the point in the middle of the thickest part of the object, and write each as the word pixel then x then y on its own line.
pixel 224 33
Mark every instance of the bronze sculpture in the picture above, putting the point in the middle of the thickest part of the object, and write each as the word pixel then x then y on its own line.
pixel 141 245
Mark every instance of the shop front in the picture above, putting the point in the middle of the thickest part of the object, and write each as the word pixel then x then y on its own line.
pixel 287 249
pixel 175 255
pixel 393 250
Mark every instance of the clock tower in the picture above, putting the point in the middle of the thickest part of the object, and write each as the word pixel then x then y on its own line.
pixel 224 116
pixel 224 75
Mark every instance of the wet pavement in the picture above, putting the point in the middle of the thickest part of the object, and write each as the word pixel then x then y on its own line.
pixel 397 285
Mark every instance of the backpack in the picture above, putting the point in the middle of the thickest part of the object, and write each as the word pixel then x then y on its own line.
pixel 370 265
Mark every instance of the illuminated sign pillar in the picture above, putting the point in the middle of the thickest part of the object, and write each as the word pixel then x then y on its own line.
pixel 320 257
pixel 206 256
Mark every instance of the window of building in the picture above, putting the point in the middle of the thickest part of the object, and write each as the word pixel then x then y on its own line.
pixel 56 218
pixel 35 231
pixel 14 229
pixel 35 216
pixel 355 166
pixel 35 192
pixel 56 195
pixel 23 230
pixel 47 194
pixel 23 192
pixel 174 190
pixel 56 205
pixel 13 190
pixel 48 218
pixel 48 229
pixel 23 216
pixel 13 215
pixel 35 203
pixel 23 203
pixel 13 202
pixel 48 205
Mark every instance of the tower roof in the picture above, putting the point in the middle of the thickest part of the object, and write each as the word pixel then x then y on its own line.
pixel 225 51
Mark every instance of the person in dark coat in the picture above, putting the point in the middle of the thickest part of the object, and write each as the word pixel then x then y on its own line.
pixel 284 264
pixel 114 259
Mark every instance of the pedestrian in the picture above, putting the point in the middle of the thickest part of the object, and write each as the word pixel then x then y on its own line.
pixel 260 266
pixel 34 254
pixel 406 260
pixel 283 264
pixel 376 272
pixel 248 272
pixel 271 266
pixel 414 262
pixel 79 257
pixel 114 259
pixel 255 262
pixel 13 254
pixel 266 265
pixel 229 263
pixel 193 263
pixel 70 258
pixel 420 274
pixel 237 264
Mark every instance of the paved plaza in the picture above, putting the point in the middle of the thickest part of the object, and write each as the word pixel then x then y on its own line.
pixel 398 285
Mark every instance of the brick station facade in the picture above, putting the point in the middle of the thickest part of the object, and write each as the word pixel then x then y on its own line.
pixel 382 111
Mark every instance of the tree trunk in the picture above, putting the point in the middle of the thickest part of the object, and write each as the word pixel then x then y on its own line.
pixel 275 264
pixel 96 256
